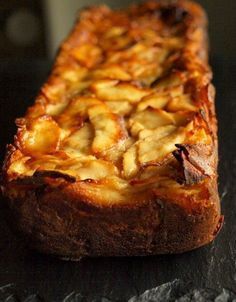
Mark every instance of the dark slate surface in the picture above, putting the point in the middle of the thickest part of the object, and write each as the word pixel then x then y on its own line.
pixel 176 290
pixel 33 275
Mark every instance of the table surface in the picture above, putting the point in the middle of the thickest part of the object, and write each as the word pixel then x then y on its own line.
pixel 213 266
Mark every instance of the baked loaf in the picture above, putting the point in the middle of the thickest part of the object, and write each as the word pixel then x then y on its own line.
pixel 118 154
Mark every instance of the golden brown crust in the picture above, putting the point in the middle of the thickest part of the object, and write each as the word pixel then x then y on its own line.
pixel 117 197
pixel 57 222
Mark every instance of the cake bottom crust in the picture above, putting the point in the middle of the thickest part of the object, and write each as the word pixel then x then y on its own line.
pixel 60 224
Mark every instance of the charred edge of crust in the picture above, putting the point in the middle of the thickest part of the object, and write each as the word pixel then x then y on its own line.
pixel 195 161
pixel 55 175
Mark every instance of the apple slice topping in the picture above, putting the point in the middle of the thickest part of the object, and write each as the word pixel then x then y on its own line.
pixel 108 127
pixel 39 136
pixel 110 90
pixel 149 119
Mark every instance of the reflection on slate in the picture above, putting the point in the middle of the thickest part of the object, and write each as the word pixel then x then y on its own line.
pixel 172 291
pixel 180 292
pixel 9 294
pixel 38 277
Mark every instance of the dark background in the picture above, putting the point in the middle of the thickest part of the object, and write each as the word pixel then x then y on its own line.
pixel 35 28
pixel 222 25
pixel 23 68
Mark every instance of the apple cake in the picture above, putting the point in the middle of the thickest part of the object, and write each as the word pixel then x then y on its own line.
pixel 118 154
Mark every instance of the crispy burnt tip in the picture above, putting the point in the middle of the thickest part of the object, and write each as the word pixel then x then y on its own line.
pixel 173 14
pixel 194 163
pixel 55 175
pixel 41 178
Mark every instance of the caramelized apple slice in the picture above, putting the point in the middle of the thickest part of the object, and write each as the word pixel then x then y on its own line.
pixel 148 65
pixel 54 90
pixel 182 118
pixel 55 109
pixel 96 169
pixel 149 119
pixel 156 101
pixel 121 108
pixel 109 90
pixel 155 149
pixel 176 91
pixel 170 81
pixel 80 105
pixel 76 112
pixel 111 72
pixel 137 51
pixel 39 136
pixel 79 142
pixel 108 127
pixel 115 155
pixel 115 39
pixel 87 55
pixel 68 79
pixel 181 102
pixel 130 160
pixel 114 32
pixel 157 133
pixel 130 166
pixel 71 72
pixel 87 167
pixel 46 162
pixel 200 134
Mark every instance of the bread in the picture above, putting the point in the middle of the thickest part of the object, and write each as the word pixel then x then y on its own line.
pixel 118 154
